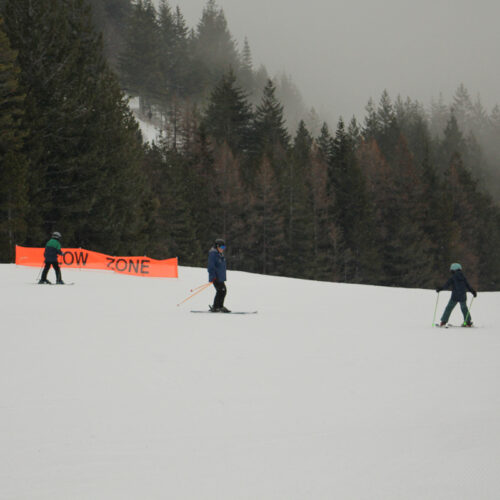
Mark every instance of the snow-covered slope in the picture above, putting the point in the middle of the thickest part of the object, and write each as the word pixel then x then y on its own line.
pixel 108 390
pixel 150 132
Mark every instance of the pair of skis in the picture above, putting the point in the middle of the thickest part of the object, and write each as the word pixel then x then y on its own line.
pixel 449 325
pixel 232 312
pixel 58 284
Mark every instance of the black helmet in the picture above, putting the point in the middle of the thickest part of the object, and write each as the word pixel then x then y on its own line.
pixel 57 235
pixel 219 242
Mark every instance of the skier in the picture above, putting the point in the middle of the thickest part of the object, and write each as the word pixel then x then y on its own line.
pixel 217 274
pixel 459 287
pixel 52 250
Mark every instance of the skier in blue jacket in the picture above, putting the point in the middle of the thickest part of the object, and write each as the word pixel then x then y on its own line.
pixel 459 287
pixel 217 274
pixel 52 250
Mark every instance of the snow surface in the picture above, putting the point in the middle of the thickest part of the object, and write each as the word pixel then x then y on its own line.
pixel 150 132
pixel 108 390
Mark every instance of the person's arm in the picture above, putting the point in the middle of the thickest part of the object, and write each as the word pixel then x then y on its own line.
pixel 471 290
pixel 445 286
pixel 211 267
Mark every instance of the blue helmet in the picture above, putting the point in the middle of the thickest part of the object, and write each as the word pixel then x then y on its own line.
pixel 455 267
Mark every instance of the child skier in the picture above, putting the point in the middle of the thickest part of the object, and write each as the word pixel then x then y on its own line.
pixel 459 287
pixel 52 250
pixel 217 274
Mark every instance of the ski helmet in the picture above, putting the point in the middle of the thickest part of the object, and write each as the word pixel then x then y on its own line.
pixel 219 242
pixel 57 235
pixel 455 267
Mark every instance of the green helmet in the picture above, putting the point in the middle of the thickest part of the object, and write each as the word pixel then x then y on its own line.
pixel 455 267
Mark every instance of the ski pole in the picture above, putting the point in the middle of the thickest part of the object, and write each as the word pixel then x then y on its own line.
pixel 468 311
pixel 435 309
pixel 39 273
pixel 200 289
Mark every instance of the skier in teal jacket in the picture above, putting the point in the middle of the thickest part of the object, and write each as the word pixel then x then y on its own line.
pixel 459 287
pixel 52 251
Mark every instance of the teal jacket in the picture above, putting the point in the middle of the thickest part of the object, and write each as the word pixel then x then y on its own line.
pixel 52 250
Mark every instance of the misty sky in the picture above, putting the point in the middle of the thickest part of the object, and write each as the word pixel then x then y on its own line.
pixel 341 52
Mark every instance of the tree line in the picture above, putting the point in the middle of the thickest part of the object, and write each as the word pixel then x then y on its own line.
pixel 391 200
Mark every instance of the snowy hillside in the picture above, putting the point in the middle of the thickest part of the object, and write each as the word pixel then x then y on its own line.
pixel 150 132
pixel 108 390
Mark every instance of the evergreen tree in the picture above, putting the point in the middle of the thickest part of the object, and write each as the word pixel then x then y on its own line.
pixel 266 227
pixel 140 62
pixel 325 143
pixel 228 116
pixel 299 207
pixel 351 206
pixel 324 265
pixel 174 228
pixel 269 131
pixel 214 46
pixel 229 207
pixel 13 171
pixel 289 95
pixel 388 133
pixel 371 126
pixel 246 75
pixel 452 144
pixel 462 107
pixel 412 261
pixel 110 18
pixel 439 117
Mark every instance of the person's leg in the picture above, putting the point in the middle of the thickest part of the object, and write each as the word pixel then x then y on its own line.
pixel 449 308
pixel 466 313
pixel 220 295
pixel 45 271
pixel 57 269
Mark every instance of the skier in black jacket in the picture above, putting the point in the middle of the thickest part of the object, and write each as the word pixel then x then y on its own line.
pixel 459 287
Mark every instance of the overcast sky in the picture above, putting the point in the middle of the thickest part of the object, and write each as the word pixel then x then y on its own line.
pixel 342 52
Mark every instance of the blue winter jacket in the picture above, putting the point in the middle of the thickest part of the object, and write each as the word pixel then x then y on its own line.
pixel 216 265
pixel 459 286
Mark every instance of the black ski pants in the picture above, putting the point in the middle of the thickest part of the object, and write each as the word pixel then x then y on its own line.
pixel 220 286
pixel 56 267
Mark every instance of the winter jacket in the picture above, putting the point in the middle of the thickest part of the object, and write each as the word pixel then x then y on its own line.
pixel 459 286
pixel 52 250
pixel 216 265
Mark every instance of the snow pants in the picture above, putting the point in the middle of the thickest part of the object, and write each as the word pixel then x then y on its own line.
pixel 56 267
pixel 449 308
pixel 220 286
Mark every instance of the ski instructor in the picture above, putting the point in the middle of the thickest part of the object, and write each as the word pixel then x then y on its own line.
pixel 217 274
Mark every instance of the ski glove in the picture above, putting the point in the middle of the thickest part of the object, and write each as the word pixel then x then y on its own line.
pixel 474 293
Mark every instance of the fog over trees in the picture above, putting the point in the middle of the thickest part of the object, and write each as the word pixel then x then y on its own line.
pixel 389 197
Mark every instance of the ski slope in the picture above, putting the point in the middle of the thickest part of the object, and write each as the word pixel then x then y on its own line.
pixel 108 390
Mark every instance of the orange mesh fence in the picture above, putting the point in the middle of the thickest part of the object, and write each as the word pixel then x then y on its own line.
pixel 86 259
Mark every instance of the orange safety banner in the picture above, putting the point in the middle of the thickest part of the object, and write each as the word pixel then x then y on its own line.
pixel 86 259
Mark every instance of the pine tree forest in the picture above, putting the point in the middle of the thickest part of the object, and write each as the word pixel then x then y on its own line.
pixel 389 199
